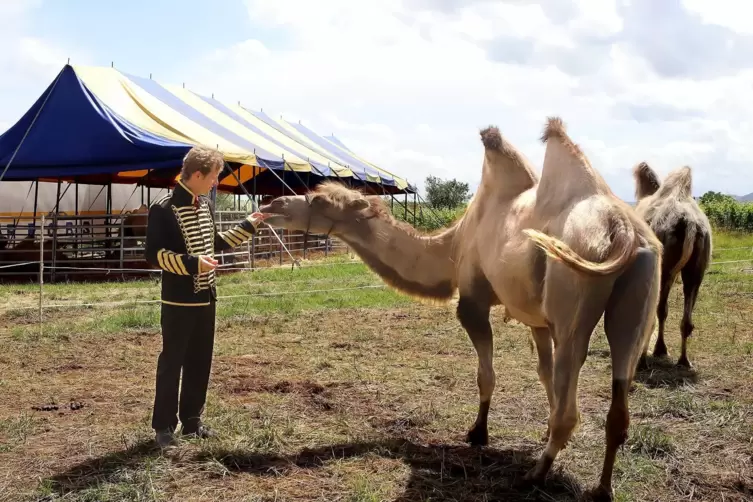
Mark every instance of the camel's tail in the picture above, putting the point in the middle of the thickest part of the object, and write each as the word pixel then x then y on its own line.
pixel 646 181
pixel 688 245
pixel 624 249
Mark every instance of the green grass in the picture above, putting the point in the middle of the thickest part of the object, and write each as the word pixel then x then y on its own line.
pixel 359 395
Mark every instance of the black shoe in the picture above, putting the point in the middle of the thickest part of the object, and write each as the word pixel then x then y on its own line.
pixel 200 431
pixel 165 438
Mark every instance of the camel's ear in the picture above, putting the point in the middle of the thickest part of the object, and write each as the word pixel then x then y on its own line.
pixel 358 204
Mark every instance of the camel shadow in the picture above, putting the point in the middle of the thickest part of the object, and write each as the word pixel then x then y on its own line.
pixel 663 372
pixel 437 472
pixel 94 472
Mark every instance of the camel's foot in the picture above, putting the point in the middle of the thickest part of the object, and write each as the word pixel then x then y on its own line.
pixel 537 475
pixel 478 436
pixel 601 494
pixel 683 362
pixel 642 363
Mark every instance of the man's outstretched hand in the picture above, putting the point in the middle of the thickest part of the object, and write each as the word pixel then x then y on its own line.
pixel 257 217
pixel 206 263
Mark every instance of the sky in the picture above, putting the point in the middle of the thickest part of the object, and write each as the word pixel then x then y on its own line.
pixel 408 84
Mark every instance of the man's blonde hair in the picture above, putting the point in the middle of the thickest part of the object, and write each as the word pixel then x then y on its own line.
pixel 202 159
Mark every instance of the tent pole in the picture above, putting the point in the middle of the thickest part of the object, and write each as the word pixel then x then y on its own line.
pixel 57 198
pixel 108 205
pixel 282 192
pixel 78 227
pixel 36 201
pixel 254 205
pixel 414 210
pixel 306 235
pixel 54 248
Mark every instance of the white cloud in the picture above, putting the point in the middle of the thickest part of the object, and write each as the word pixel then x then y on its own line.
pixel 408 83
pixel 732 14
pixel 27 63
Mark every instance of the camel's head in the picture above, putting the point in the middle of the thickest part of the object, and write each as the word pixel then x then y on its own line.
pixel 329 206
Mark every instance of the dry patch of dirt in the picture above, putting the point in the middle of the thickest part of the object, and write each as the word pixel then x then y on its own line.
pixel 364 404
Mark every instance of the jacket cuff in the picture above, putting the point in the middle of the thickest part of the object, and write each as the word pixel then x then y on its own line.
pixel 250 223
pixel 191 263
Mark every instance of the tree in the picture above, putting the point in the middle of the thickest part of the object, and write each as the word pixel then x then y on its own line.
pixel 710 197
pixel 446 194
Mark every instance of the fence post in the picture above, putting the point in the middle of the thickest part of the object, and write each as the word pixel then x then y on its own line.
pixel 121 245
pixel 41 272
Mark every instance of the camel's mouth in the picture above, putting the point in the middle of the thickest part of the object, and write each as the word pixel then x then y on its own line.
pixel 270 212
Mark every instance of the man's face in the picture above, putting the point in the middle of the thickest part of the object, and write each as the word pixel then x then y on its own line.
pixel 204 183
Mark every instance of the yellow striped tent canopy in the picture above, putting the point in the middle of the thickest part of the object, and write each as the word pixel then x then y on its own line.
pixel 98 125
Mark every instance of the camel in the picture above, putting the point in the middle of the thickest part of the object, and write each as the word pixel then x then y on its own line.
pixel 556 253
pixel 134 225
pixel 685 232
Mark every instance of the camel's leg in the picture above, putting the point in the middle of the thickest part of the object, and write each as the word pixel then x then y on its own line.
pixel 574 309
pixel 692 277
pixel 662 310
pixel 473 310
pixel 543 339
pixel 628 321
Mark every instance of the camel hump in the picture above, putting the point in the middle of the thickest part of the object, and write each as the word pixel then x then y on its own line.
pixel 646 180
pixel 678 183
pixel 491 138
pixel 555 129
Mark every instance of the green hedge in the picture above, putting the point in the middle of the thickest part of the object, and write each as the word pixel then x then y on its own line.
pixel 428 218
pixel 723 214
pixel 729 214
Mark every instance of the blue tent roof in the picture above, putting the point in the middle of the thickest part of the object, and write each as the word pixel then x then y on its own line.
pixel 75 134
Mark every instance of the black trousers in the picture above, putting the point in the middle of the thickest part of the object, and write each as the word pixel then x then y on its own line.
pixel 187 344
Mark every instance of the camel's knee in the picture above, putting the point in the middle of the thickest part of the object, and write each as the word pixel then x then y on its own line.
pixel 486 380
pixel 618 418
pixel 662 309
pixel 687 326
pixel 545 371
pixel 561 427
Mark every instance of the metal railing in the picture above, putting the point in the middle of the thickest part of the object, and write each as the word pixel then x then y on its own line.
pixel 113 244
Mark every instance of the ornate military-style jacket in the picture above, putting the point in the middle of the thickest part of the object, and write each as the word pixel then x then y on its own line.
pixel 179 229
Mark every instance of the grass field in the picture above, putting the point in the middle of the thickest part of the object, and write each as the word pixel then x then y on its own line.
pixel 357 394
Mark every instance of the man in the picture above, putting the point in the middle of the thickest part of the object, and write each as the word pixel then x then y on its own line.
pixel 181 240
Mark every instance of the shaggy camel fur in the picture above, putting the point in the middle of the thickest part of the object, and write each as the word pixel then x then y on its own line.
pixel 685 232
pixel 557 253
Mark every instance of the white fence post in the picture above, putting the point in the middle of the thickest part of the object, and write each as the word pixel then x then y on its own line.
pixel 41 272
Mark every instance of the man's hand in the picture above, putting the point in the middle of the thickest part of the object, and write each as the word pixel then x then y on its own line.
pixel 206 263
pixel 257 218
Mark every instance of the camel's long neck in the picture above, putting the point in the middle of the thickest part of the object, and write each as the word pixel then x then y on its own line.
pixel 420 266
